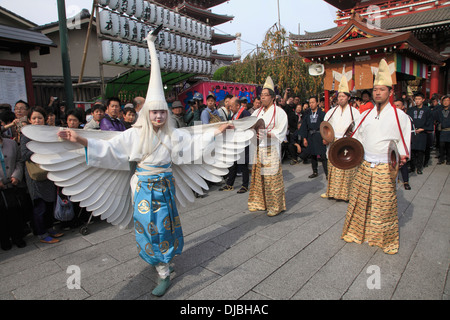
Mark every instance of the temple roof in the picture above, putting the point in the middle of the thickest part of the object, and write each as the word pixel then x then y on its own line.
pixel 218 38
pixel 16 37
pixel 204 4
pixel 206 16
pixel 356 37
pixel 410 21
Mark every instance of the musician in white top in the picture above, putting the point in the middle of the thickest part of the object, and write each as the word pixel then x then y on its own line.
pixel 267 186
pixel 340 118
pixel 372 210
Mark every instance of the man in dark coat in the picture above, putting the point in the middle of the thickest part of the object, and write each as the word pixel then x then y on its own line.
pixel 423 122
pixel 312 139
pixel 111 121
pixel 239 112
pixel 443 117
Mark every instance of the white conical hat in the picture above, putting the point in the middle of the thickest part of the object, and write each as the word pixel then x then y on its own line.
pixel 383 77
pixel 155 99
pixel 343 85
pixel 269 84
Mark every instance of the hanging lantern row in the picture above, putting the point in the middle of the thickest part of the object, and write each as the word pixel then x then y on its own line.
pixel 113 24
pixel 134 56
pixel 153 14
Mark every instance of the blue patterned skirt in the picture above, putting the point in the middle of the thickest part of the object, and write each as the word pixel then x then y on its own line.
pixel 157 224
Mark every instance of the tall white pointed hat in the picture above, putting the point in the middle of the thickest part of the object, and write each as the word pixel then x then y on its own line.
pixel 343 85
pixel 155 99
pixel 269 84
pixel 383 77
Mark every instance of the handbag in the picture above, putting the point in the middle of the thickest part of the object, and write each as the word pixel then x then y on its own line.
pixel 63 209
pixel 35 171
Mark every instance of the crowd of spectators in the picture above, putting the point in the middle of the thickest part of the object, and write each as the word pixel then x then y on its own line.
pixel 27 205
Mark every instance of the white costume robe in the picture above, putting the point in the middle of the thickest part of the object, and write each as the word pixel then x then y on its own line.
pixel 372 210
pixel 339 181
pixel 267 186
pixel 158 230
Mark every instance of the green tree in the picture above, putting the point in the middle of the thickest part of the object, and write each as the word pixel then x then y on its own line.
pixel 279 59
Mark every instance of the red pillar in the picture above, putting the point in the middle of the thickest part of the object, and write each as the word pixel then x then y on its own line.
pixel 327 100
pixel 434 81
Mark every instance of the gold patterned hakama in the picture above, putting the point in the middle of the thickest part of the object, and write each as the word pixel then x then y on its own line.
pixel 339 182
pixel 372 210
pixel 267 186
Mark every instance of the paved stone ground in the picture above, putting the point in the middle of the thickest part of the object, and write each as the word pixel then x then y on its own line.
pixel 231 253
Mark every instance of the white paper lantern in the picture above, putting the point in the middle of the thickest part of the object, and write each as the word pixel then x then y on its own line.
pixel 147 59
pixel 115 24
pixel 165 22
pixel 182 24
pixel 194 28
pixel 174 62
pixel 185 64
pixel 200 48
pixel 133 30
pixel 177 43
pixel 126 59
pixel 209 64
pixel 200 66
pixel 205 32
pixel 146 12
pixel 141 56
pixel 139 13
pixel 189 26
pixel 189 45
pixel 105 22
pixel 162 60
pixel 177 25
pixel 173 41
pixel 159 15
pixel 166 40
pixel 160 40
pixel 208 33
pixel 180 63
pixel 176 65
pixel 117 52
pixel 194 47
pixel 170 64
pixel 123 6
pixel 107 50
pixel 139 27
pixel 131 8
pixel 183 44
pixel 103 2
pixel 191 67
pixel 208 50
pixel 134 55
pixel 124 27
pixel 153 13
pixel 114 4
pixel 172 20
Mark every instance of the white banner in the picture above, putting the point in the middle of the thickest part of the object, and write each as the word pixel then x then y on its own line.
pixel 12 85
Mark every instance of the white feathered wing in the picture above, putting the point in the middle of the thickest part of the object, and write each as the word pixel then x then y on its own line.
pixel 106 192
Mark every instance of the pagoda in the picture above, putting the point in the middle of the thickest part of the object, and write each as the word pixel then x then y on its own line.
pixel 415 33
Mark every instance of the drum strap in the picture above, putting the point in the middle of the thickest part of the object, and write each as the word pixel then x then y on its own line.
pixel 398 124
pixel 401 132
pixel 361 122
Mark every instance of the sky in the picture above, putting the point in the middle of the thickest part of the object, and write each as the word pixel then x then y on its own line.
pixel 252 18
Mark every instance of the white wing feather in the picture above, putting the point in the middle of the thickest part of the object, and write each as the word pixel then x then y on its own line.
pixel 104 192
pixel 226 149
